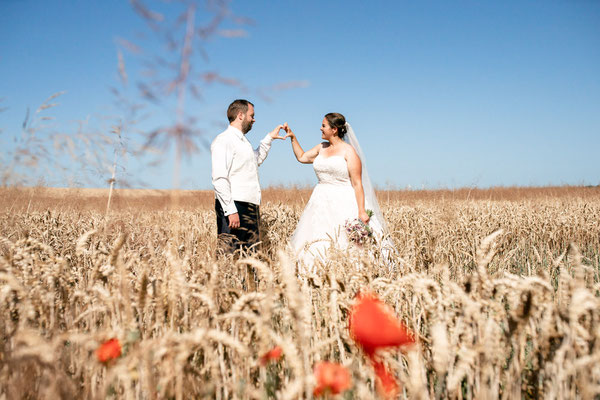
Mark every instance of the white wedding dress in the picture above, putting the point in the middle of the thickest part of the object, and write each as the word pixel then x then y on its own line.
pixel 332 203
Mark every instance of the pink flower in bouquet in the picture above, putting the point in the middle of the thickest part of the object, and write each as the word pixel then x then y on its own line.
pixel 357 231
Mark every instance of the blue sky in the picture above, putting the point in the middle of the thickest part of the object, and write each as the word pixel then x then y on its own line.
pixel 440 93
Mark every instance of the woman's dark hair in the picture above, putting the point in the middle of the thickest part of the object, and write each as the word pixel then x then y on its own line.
pixel 238 106
pixel 337 120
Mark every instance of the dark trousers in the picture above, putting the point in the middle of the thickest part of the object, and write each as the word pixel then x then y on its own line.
pixel 229 240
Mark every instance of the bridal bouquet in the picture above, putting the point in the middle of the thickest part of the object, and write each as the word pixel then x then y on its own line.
pixel 359 232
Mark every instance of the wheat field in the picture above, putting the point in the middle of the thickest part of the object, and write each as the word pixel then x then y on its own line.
pixel 499 286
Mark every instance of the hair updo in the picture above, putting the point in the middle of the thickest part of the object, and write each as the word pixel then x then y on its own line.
pixel 337 120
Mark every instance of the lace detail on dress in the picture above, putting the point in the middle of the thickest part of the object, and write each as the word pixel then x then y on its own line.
pixel 331 170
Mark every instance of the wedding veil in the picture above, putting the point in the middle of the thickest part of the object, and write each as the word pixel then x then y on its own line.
pixel 377 222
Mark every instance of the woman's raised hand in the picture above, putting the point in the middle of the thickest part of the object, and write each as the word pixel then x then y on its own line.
pixel 288 131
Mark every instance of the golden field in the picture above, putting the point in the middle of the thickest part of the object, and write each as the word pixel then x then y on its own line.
pixel 500 287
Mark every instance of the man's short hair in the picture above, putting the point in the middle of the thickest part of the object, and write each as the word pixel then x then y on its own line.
pixel 238 106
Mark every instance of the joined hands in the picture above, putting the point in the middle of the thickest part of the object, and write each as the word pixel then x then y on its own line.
pixel 288 131
pixel 274 134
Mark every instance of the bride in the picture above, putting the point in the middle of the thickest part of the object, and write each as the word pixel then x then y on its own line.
pixel 339 195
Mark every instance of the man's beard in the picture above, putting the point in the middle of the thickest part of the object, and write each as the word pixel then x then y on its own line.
pixel 246 126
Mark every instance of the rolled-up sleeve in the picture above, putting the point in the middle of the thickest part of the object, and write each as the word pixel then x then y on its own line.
pixel 222 159
pixel 263 149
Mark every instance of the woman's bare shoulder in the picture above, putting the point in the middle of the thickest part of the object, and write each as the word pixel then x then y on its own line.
pixel 349 151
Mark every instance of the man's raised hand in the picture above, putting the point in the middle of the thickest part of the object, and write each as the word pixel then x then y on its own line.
pixel 275 133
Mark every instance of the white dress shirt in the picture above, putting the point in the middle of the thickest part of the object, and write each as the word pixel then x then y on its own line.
pixel 235 168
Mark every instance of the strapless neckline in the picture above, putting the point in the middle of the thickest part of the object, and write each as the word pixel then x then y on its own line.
pixel 331 170
pixel 325 158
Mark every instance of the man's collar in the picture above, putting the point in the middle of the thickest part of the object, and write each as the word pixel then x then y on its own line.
pixel 236 131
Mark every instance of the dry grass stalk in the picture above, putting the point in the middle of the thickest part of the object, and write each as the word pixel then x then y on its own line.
pixel 514 314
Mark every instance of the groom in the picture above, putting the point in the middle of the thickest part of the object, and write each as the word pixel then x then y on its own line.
pixel 235 179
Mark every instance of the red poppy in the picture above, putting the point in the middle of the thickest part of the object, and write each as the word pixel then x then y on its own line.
pixel 373 325
pixel 387 386
pixel 108 350
pixel 331 378
pixel 272 355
